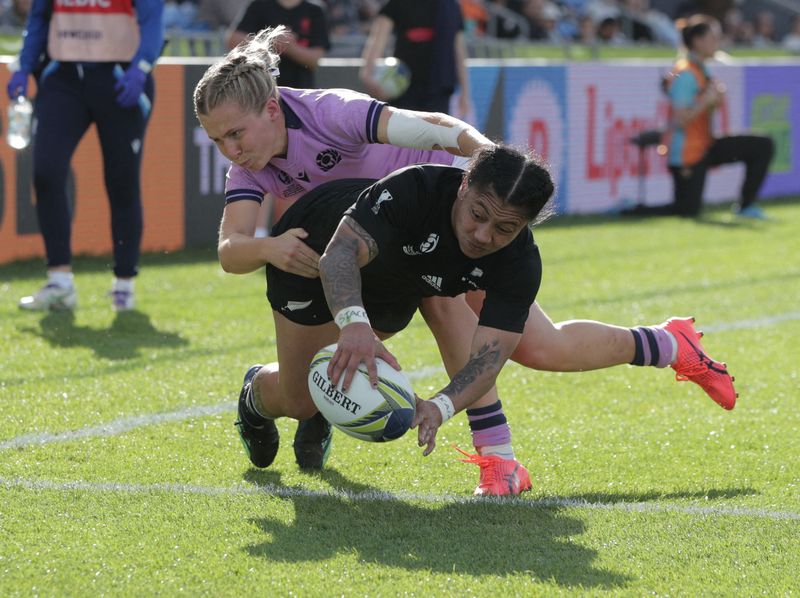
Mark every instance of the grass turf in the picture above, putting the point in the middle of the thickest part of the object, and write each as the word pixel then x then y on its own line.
pixel 121 472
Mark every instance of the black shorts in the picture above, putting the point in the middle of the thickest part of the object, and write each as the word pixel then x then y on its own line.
pixel 302 301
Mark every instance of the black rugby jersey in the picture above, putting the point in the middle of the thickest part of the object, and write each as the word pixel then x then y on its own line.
pixel 408 214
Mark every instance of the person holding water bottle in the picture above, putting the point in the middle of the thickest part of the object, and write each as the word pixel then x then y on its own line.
pixel 92 63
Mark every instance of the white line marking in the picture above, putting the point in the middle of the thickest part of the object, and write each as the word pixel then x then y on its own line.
pixel 127 424
pixel 752 323
pixel 379 496
pixel 118 426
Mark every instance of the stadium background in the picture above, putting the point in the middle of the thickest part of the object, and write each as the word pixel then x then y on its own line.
pixel 580 116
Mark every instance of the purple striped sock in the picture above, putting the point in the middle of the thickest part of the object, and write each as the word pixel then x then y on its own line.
pixel 654 346
pixel 489 426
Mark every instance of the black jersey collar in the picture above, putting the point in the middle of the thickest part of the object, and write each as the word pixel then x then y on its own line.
pixel 292 120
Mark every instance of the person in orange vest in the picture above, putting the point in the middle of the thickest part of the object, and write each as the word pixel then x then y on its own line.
pixel 692 148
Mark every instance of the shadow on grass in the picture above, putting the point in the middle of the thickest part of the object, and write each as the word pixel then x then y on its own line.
pixel 130 332
pixel 472 537
pixel 629 498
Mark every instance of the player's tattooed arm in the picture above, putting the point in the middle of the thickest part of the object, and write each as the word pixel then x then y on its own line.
pixel 350 248
pixel 491 348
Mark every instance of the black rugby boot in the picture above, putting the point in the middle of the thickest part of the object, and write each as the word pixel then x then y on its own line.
pixel 312 442
pixel 260 439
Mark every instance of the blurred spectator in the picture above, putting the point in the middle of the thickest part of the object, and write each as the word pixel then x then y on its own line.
pixel 505 20
pixel 746 34
pixel 300 48
pixel 608 32
pixel 219 14
pixel 533 11
pixel 602 9
pixel 475 17
pixel 429 39
pixel 181 15
pixel 730 27
pixel 15 14
pixel 648 24
pixel 550 19
pixel 587 30
pixel 715 8
pixel 792 40
pixel 764 30
pixel 633 21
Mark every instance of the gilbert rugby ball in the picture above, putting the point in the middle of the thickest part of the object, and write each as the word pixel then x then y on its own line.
pixel 372 414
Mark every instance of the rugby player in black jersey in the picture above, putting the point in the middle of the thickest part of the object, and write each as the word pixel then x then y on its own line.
pixel 421 231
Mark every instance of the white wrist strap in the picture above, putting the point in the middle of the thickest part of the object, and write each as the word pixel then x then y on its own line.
pixel 351 315
pixel 445 405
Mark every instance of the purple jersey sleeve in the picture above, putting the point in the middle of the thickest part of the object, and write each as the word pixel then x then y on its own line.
pixel 332 134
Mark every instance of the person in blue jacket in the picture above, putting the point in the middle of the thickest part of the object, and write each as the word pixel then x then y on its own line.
pixel 92 62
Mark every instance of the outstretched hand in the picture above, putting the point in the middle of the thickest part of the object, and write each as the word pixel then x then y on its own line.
pixel 291 254
pixel 427 419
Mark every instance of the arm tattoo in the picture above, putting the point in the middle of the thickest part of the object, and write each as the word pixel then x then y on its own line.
pixel 339 269
pixel 372 246
pixel 485 362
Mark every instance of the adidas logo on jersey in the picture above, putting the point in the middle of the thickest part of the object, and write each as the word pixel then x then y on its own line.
pixel 427 246
pixel 384 196
pixel 434 281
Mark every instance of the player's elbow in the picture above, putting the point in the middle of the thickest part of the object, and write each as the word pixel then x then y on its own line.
pixel 226 259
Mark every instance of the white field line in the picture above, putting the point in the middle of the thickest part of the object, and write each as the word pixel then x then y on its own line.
pixel 118 426
pixel 378 496
pixel 752 323
pixel 127 424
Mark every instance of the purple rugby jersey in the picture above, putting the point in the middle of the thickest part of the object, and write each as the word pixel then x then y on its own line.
pixel 332 135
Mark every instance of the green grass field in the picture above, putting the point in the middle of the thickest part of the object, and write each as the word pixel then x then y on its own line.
pixel 121 473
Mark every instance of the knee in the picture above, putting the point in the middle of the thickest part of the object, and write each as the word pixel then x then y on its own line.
pixel 535 357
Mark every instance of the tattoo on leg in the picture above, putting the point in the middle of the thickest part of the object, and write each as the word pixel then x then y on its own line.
pixel 486 359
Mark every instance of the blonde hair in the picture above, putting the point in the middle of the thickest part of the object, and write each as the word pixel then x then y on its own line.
pixel 246 75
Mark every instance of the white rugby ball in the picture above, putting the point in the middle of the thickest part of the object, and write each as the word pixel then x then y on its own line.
pixel 372 414
pixel 393 75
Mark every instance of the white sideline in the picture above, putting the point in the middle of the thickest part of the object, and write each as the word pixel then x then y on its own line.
pixel 378 496
pixel 127 424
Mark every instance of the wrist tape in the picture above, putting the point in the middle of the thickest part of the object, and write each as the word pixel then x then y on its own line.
pixel 445 405
pixel 351 315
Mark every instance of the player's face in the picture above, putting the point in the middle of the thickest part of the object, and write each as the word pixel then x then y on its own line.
pixel 706 45
pixel 483 224
pixel 249 139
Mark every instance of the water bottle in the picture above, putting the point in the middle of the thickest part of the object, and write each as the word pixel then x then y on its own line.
pixel 20 112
